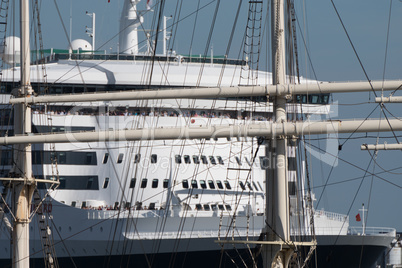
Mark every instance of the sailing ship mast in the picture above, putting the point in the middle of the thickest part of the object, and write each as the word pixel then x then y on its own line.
pixel 23 183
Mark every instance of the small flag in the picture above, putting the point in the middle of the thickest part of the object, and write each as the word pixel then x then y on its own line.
pixel 358 217
pixel 149 4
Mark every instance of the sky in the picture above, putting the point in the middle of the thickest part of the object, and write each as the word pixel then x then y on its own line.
pixel 372 40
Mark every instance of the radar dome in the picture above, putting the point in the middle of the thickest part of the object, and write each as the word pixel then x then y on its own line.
pixel 11 50
pixel 80 44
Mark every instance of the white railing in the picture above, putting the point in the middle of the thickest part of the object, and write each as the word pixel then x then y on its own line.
pixel 372 231
pixel 332 215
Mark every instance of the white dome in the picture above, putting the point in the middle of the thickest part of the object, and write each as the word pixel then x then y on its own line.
pixel 12 50
pixel 80 44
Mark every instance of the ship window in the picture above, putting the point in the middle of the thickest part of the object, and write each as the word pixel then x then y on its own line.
pixel 228 207
pixel 73 204
pixel 206 207
pixel 214 207
pixel 106 183
pixel 105 158
pixel 196 159
pixel 155 183
pixel 194 184
pixel 178 159
pixel 84 204
pixel 62 159
pixel 259 184
pixel 219 183
pixel 203 184
pixel 137 158
pixel 151 206
pixel 120 158
pixel 212 159
pixel 77 182
pixel 187 159
pixel 220 160
pixel 90 182
pixel 144 183
pixel 227 185
pixel 238 160
pixel 221 207
pixel 264 162
pixel 228 138
pixel 88 158
pixel 185 184
pixel 248 162
pixel 116 205
pixel 211 184
pixel 165 183
pixel 127 205
pixel 198 207
pixel 255 186
pixel 132 182
pixel 249 185
pixel 292 188
pixel 154 158
pixel 204 159
pixel 242 185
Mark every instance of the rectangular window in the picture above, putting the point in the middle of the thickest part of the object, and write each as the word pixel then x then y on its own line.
pixel 203 184
pixel 212 159
pixel 137 158
pixel 88 158
pixel 221 207
pixel 194 184
pixel 155 183
pixel 227 185
pixel 220 185
pixel 206 207
pixel 238 160
pixel 154 158
pixel 248 162
pixel 165 183
pixel 77 182
pixel 204 159
pixel 242 185
pixel 249 186
pixel 228 207
pixel 144 183
pixel 187 159
pixel 105 183
pixel 264 162
pixel 185 184
pixel 62 159
pixel 73 204
pixel 220 160
pixel 196 159
pixel 132 182
pixel 120 158
pixel 198 207
pixel 105 158
pixel 177 159
pixel 211 184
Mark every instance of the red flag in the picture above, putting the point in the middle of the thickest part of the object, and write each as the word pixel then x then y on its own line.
pixel 149 4
pixel 358 217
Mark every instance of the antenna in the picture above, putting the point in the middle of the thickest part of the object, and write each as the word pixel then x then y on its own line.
pixel 91 31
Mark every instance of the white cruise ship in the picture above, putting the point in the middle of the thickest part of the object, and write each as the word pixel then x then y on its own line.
pixel 159 203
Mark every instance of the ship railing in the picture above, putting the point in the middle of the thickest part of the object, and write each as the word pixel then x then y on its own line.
pixel 354 230
pixel 199 234
pixel 332 215
pixel 89 55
